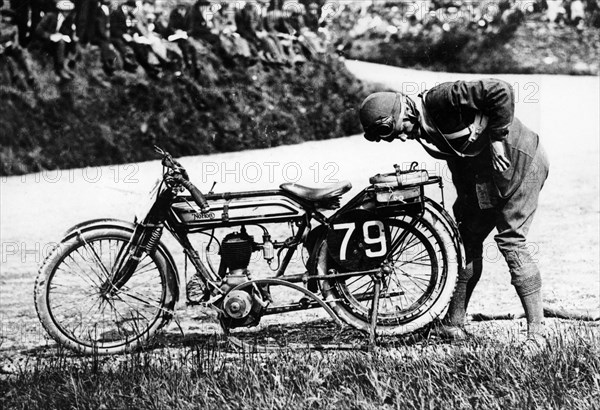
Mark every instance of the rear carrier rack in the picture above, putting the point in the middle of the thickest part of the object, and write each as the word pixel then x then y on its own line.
pixel 402 189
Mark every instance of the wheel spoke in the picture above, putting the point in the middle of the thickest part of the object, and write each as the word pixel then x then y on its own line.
pixel 92 314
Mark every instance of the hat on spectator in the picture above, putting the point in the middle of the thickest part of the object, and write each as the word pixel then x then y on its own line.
pixel 65 5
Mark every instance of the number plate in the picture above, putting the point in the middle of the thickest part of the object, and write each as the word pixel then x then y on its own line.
pixel 145 205
pixel 359 240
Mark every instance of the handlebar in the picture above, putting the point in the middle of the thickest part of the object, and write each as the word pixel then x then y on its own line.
pixel 183 178
pixel 196 195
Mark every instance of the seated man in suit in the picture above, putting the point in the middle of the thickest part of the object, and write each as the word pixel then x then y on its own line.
pixel 56 31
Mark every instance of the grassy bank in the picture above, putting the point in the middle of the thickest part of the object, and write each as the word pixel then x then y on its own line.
pixel 482 373
pixel 532 46
pixel 96 120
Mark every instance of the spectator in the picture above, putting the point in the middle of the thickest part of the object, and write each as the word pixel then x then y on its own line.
pixel 28 16
pixel 578 16
pixel 122 27
pixel 11 51
pixel 556 12
pixel 86 12
pixel 163 53
pixel 282 33
pixel 129 41
pixel 200 23
pixel 57 33
pixel 176 31
pixel 101 37
pixel 250 26
pixel 231 41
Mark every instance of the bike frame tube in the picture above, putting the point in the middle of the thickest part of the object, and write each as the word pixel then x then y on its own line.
pixel 181 230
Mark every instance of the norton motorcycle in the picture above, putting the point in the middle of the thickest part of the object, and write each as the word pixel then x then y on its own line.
pixel 384 263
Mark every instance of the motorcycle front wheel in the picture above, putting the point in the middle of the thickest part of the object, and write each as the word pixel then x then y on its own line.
pixel 80 306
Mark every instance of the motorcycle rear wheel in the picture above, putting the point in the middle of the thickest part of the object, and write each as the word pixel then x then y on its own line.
pixel 80 307
pixel 410 298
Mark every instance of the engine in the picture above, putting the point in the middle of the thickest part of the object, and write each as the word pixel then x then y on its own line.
pixel 236 251
pixel 240 307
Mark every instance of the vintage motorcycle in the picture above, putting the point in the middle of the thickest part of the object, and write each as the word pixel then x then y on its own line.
pixel 385 263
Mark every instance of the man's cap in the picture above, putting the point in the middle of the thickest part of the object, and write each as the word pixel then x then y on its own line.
pixel 65 5
pixel 375 106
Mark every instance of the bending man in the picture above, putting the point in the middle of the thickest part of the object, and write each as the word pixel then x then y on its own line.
pixel 498 168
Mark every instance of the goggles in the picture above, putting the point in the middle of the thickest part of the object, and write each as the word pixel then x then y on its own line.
pixel 385 127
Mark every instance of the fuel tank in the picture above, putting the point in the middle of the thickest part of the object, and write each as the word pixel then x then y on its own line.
pixel 237 208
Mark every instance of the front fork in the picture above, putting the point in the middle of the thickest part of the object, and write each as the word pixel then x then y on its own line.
pixel 145 239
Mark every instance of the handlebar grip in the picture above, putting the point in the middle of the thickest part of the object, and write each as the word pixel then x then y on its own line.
pixel 197 196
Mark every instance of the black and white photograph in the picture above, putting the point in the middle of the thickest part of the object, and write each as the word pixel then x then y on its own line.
pixel 299 204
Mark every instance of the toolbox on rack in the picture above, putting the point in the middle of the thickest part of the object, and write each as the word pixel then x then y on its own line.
pixel 400 187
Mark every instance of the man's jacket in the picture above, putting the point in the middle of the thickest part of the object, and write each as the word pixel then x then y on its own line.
pixel 49 26
pixel 453 106
pixel 122 21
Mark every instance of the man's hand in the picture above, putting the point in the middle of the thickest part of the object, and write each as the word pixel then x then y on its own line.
pixel 500 161
pixel 56 37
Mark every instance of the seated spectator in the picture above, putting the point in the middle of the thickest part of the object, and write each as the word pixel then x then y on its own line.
pixel 308 38
pixel 56 32
pixel 250 26
pixel 234 44
pixel 578 15
pixel 100 36
pixel 28 16
pixel 85 11
pixel 15 58
pixel 200 23
pixel 276 24
pixel 122 29
pixel 128 39
pixel 168 55
pixel 176 31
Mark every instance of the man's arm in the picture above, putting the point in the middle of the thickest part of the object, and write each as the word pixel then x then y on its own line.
pixel 495 98
pixel 46 27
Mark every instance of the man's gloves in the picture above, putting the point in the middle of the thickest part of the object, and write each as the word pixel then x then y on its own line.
pixel 500 161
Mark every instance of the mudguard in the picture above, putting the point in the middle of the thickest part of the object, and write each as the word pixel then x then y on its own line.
pixel 127 226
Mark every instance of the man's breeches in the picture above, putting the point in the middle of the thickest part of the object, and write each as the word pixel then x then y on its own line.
pixel 512 218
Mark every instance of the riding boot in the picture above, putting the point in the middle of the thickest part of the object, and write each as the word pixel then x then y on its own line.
pixel 534 313
pixel 465 285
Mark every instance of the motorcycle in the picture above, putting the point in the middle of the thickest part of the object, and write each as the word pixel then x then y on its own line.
pixel 385 263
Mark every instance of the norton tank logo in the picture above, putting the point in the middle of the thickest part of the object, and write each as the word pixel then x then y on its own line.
pixel 199 216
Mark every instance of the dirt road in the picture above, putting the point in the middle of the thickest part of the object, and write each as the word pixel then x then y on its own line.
pixel 36 209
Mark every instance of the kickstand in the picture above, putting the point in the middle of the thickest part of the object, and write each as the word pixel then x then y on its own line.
pixel 374 311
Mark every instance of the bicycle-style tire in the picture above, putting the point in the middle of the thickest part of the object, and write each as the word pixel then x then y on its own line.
pixel 408 300
pixel 74 307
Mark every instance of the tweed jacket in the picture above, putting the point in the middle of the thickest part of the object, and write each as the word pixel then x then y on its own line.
pixel 453 106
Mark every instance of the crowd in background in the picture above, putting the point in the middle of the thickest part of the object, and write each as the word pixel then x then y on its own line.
pixel 395 19
pixel 144 33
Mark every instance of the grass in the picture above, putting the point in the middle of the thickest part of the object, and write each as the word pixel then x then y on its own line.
pixel 481 373
pixel 95 120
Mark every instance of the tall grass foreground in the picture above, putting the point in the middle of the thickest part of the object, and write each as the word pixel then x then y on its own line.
pixel 481 373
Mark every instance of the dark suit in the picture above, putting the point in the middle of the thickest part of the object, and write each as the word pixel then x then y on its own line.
pixel 86 14
pixel 178 21
pixel 100 35
pixel 123 22
pixel 26 10
pixel 489 199
pixel 49 26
